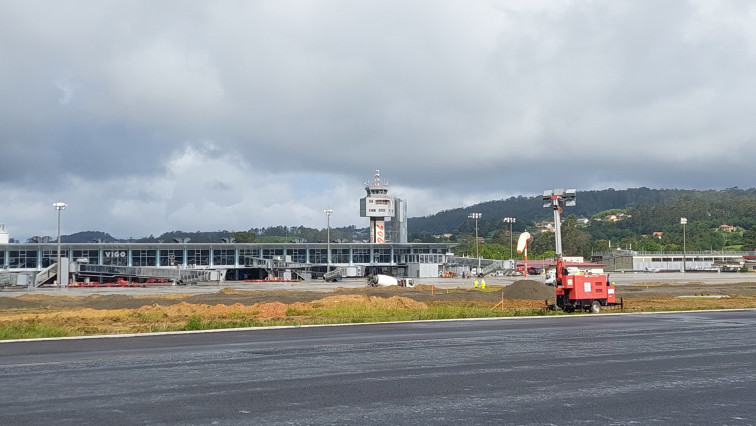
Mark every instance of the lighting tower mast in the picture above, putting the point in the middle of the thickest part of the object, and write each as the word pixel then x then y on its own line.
pixel 328 213
pixel 510 221
pixel 476 216
pixel 556 199
pixel 60 206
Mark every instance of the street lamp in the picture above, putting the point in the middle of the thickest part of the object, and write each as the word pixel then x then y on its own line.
pixel 510 221
pixel 476 216
pixel 683 221
pixel 59 206
pixel 328 213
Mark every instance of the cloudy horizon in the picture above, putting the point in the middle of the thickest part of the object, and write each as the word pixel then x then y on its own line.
pixel 149 117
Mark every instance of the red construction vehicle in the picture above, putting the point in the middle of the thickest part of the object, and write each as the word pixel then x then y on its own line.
pixel 577 290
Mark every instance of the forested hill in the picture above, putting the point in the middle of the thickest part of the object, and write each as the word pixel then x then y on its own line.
pixel 588 204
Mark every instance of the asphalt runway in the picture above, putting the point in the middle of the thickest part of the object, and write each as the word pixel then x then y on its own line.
pixel 671 368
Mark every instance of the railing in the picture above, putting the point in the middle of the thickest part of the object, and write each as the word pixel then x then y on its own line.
pixel 44 275
pixel 497 265
pixel 335 274
pixel 130 271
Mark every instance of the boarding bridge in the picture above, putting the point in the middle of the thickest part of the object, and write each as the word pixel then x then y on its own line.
pixel 277 264
pixel 335 274
pixel 129 271
pixel 487 266
pixel 506 266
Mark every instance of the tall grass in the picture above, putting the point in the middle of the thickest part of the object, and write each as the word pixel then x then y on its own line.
pixel 33 330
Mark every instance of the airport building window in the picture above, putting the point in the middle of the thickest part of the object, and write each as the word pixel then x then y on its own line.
pixel 272 253
pixel 381 255
pixel 92 256
pixel 246 254
pixel 198 257
pixel 318 256
pixel 22 259
pixel 171 257
pixel 361 255
pixel 224 257
pixel 340 255
pixel 297 255
pixel 144 258
pixel 400 255
pixel 51 256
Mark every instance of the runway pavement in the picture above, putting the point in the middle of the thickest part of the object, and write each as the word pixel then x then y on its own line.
pixel 662 368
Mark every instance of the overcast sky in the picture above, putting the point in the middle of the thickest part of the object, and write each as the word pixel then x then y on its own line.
pixel 155 116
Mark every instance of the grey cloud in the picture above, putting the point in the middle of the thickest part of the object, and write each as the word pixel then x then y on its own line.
pixel 284 101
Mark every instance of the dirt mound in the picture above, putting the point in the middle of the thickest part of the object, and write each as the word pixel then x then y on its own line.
pixel 528 290
pixel 357 300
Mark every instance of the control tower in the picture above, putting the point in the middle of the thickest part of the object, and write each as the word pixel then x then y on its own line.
pixel 377 205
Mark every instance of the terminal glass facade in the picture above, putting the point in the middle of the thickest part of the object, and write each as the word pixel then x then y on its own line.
pixel 22 258
pixel 49 257
pixel 144 257
pixel 318 255
pixel 382 255
pixel 361 255
pixel 246 253
pixel 340 255
pixel 224 256
pixel 268 253
pixel 171 257
pixel 198 257
pixel 298 255
pixel 92 256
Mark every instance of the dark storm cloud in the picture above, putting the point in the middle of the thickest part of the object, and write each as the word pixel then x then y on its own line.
pixel 210 115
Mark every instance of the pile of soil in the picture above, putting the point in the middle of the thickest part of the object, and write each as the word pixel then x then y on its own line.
pixel 528 290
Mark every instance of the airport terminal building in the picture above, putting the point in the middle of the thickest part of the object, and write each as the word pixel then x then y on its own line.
pixel 224 261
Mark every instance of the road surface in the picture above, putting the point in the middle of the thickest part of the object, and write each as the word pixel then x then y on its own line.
pixel 672 368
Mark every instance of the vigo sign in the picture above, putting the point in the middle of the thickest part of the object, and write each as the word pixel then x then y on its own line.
pixel 112 254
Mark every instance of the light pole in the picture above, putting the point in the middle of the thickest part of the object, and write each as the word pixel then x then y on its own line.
pixel 476 216
pixel 328 213
pixel 510 221
pixel 59 206
pixel 683 221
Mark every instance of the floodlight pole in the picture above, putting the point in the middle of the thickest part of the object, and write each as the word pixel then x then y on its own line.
pixel 683 221
pixel 328 213
pixel 59 206
pixel 510 220
pixel 476 216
